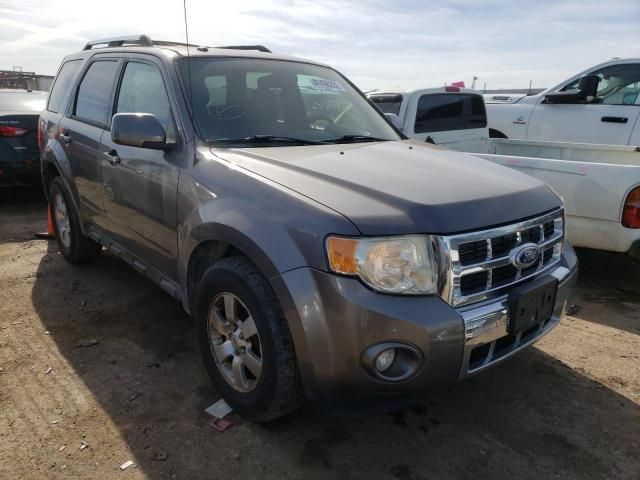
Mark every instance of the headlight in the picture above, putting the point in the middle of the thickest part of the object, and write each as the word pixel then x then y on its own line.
pixel 393 264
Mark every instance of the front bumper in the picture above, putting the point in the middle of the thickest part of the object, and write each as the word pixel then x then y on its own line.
pixel 334 320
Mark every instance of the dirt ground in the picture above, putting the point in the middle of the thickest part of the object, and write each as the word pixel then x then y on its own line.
pixel 567 408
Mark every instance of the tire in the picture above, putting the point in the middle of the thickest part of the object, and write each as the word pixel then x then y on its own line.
pixel 277 389
pixel 73 245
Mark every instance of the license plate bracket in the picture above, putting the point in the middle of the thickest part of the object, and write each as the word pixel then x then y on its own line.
pixel 531 303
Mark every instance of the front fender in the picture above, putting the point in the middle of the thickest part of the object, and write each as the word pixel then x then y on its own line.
pixel 278 230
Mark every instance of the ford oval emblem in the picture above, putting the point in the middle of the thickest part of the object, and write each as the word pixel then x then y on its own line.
pixel 525 255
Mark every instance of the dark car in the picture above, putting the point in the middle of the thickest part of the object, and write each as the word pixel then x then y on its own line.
pixel 322 253
pixel 19 152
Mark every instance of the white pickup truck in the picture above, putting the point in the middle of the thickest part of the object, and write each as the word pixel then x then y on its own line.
pixel 449 116
pixel 600 105
pixel 600 185
pixel 581 137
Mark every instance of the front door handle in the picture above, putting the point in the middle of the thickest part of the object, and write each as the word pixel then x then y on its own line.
pixel 615 119
pixel 66 139
pixel 112 157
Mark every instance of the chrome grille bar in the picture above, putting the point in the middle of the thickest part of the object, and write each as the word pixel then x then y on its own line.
pixel 451 288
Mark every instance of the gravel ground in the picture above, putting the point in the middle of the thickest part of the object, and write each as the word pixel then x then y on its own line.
pixel 567 408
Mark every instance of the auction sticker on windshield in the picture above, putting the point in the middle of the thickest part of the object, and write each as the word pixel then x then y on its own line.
pixel 326 85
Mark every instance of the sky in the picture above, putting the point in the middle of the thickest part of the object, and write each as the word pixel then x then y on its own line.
pixel 376 43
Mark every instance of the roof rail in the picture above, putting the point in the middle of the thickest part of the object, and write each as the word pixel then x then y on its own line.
pixel 120 41
pixel 146 41
pixel 260 48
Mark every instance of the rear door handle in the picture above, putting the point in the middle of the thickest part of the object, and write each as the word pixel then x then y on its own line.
pixel 66 139
pixel 615 119
pixel 112 157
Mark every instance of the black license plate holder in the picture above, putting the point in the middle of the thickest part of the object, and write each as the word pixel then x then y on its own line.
pixel 532 303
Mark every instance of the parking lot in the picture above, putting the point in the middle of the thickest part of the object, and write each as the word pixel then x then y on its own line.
pixel 567 408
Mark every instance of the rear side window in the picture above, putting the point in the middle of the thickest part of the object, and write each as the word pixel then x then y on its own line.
pixel 450 111
pixel 62 86
pixel 92 103
pixel 387 103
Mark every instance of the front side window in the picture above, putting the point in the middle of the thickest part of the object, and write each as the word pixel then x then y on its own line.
pixel 618 85
pixel 62 86
pixel 440 112
pixel 142 91
pixel 94 93
pixel 239 98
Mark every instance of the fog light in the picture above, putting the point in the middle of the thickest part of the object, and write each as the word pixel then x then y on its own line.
pixel 385 359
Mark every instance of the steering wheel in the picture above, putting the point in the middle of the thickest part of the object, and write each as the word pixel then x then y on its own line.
pixel 321 122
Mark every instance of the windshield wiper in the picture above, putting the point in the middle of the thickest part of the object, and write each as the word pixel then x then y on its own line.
pixel 355 138
pixel 267 139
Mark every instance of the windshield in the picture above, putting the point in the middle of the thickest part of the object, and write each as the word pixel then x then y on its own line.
pixel 236 99
pixel 22 101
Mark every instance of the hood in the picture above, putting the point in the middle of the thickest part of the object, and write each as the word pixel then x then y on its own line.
pixel 401 187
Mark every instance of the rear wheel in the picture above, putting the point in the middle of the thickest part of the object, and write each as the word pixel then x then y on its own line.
pixel 73 245
pixel 245 341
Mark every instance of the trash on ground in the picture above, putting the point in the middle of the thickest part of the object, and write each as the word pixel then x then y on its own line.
pixel 126 464
pixel 220 424
pixel 573 309
pixel 88 342
pixel 219 409
pixel 62 448
pixel 48 370
pixel 159 456
pixel 83 445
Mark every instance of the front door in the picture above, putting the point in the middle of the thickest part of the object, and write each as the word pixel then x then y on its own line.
pixel 140 184
pixel 609 119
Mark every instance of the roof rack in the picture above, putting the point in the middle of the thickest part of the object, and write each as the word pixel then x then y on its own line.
pixel 120 41
pixel 146 41
pixel 260 48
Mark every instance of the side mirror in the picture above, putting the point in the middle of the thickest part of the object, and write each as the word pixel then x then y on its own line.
pixel 588 85
pixel 585 93
pixel 138 130
pixel 395 119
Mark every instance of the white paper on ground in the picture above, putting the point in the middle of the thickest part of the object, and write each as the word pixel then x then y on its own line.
pixel 220 409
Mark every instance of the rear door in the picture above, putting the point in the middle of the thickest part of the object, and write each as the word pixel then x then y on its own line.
pixel 608 120
pixel 81 130
pixel 140 188
pixel 453 120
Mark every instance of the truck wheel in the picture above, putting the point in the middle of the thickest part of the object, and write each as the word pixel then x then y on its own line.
pixel 245 342
pixel 73 245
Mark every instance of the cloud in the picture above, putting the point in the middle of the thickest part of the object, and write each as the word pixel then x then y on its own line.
pixel 376 43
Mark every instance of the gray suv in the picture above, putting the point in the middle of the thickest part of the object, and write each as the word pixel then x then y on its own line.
pixel 322 254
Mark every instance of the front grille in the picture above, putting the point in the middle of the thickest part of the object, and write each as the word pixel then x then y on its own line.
pixel 482 264
pixel 473 252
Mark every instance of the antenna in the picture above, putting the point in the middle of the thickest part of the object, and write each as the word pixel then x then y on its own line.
pixel 186 32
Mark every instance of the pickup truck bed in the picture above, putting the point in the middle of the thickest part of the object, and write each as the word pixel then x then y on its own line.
pixel 594 181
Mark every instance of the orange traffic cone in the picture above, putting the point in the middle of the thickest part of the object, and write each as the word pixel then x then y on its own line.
pixel 49 234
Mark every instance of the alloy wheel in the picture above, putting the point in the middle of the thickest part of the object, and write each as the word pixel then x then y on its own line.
pixel 234 342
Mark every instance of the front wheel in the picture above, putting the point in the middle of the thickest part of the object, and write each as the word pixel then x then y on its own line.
pixel 245 341
pixel 73 245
